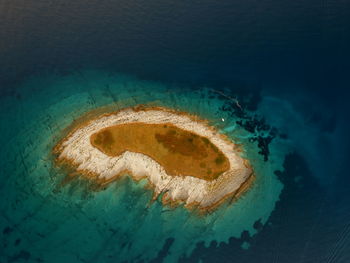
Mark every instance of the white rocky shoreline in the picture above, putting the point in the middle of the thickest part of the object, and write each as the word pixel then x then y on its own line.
pixel 77 150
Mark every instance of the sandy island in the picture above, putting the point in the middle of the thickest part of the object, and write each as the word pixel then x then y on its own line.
pixel 182 157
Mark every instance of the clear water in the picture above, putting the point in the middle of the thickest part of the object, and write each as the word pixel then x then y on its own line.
pixel 120 220
pixel 286 63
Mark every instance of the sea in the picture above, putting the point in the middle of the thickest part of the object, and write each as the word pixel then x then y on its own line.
pixel 271 75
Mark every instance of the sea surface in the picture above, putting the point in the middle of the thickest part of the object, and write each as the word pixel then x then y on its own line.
pixel 271 75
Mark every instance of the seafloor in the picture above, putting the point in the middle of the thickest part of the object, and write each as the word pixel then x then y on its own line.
pixel 51 222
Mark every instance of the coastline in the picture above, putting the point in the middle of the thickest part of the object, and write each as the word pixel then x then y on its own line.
pixel 76 151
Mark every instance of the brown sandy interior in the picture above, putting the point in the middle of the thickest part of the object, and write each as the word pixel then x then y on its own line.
pixel 180 152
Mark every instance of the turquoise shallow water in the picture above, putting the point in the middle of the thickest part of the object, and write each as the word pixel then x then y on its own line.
pixel 73 223
pixel 289 59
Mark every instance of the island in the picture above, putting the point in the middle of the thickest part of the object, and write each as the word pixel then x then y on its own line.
pixel 183 158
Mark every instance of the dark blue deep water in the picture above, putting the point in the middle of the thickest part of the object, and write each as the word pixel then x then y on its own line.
pixel 290 58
